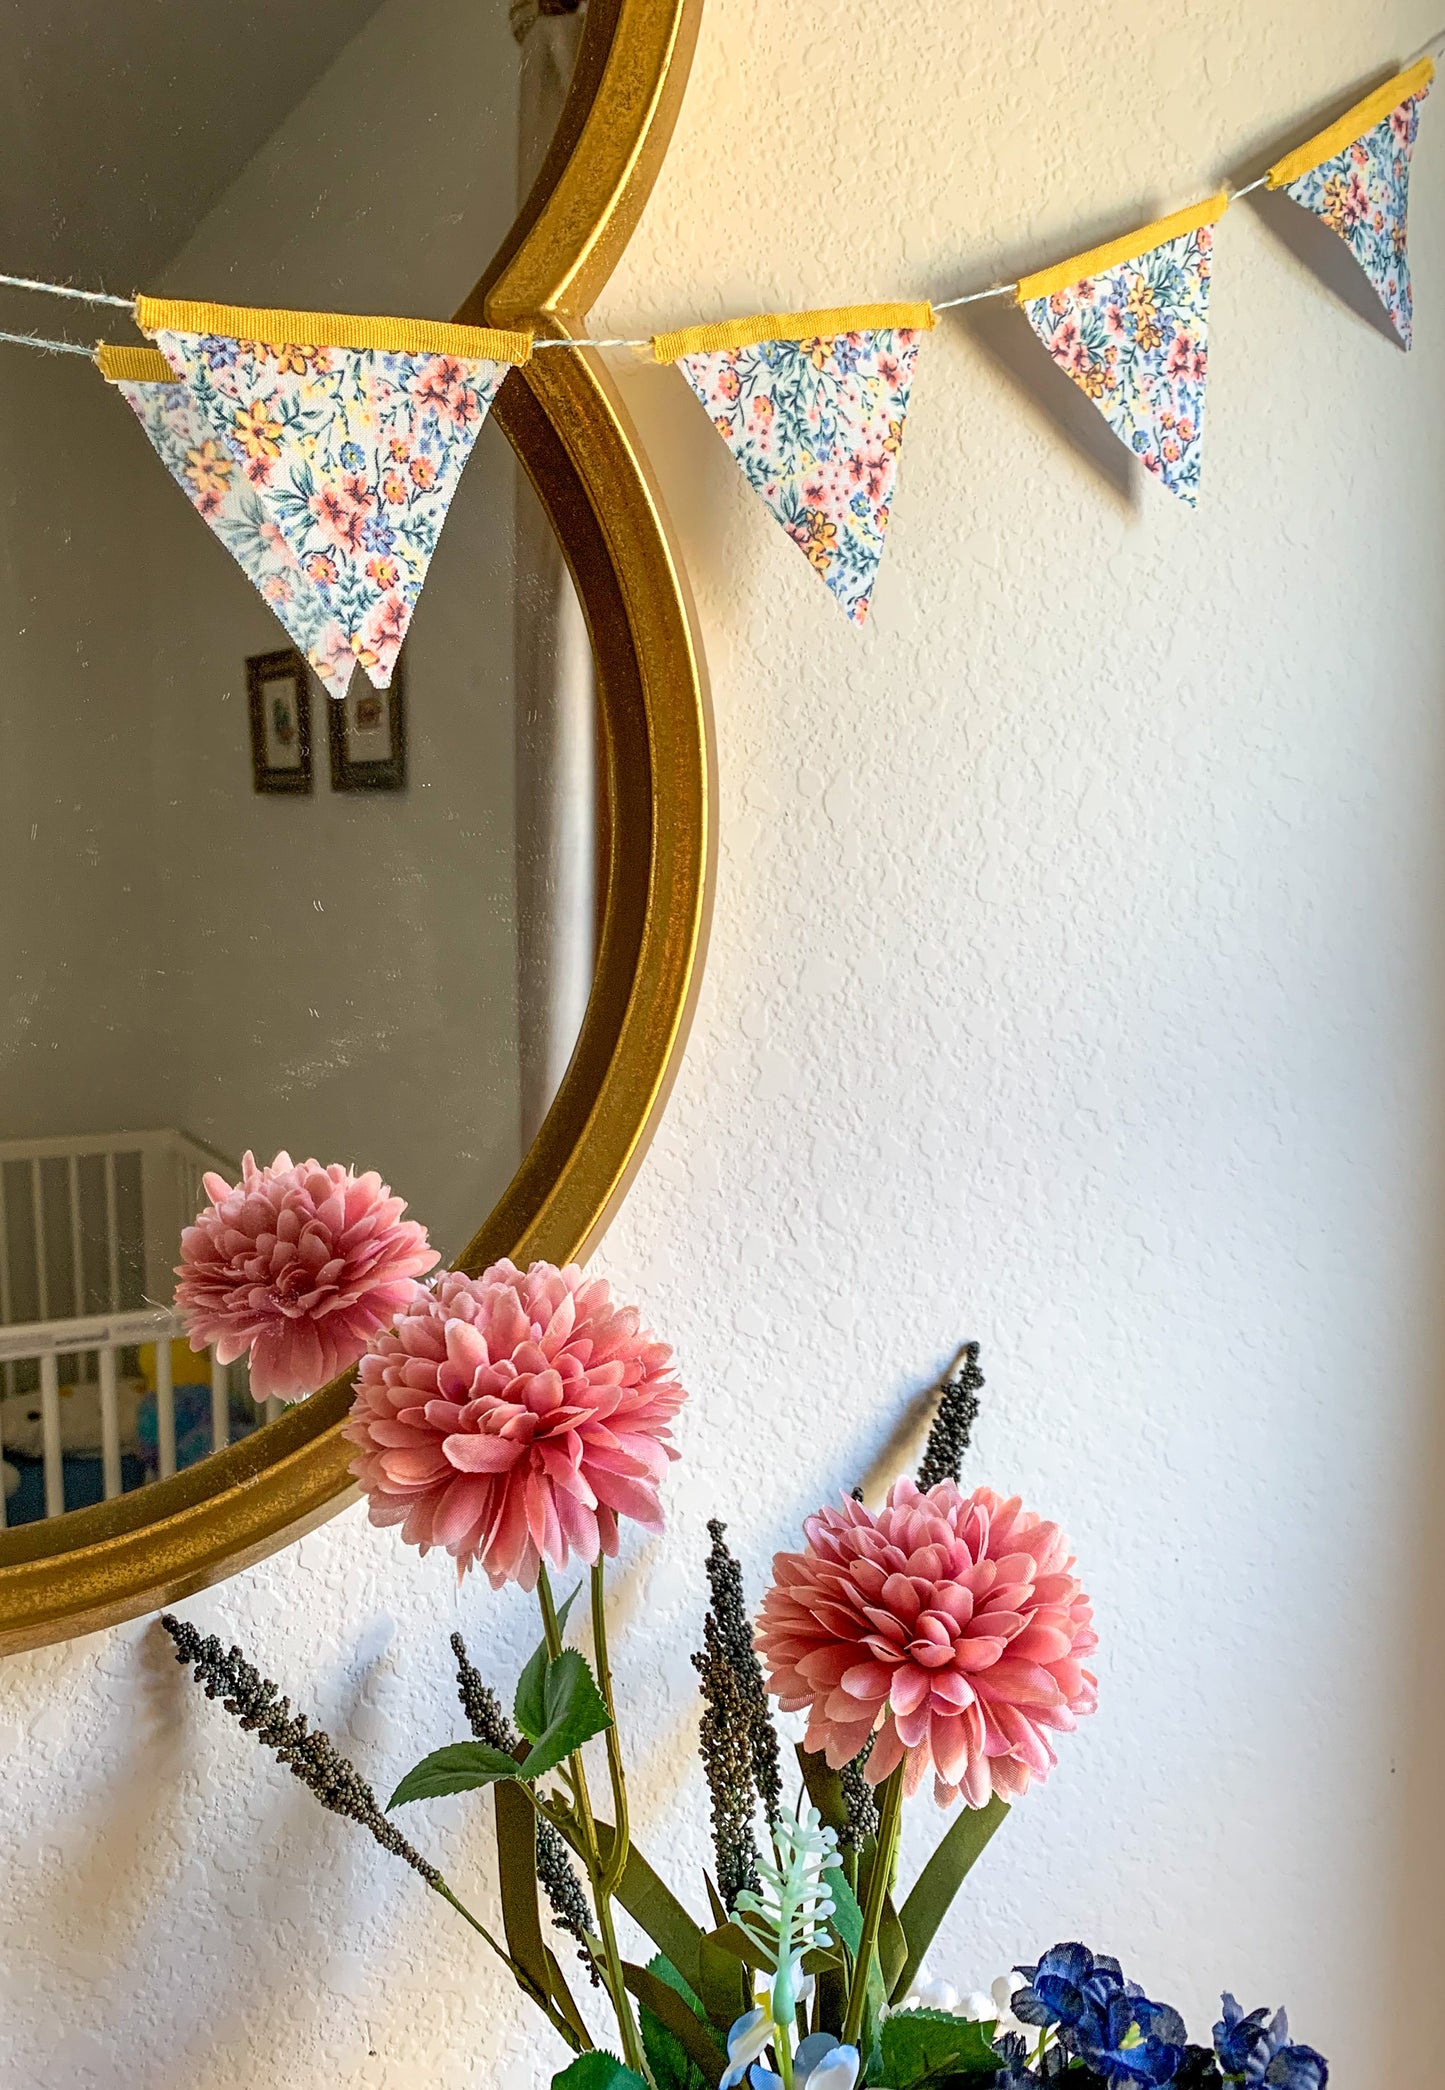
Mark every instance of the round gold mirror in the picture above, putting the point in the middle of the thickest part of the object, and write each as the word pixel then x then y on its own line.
pixel 450 931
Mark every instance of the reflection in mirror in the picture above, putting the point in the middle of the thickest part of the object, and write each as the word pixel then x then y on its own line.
pixel 236 915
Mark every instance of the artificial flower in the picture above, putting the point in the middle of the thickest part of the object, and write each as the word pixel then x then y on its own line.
pixel 299 1264
pixel 1131 2041
pixel 788 1914
pixel 1256 2048
pixel 821 2063
pixel 515 1416
pixel 747 2039
pixel 948 1626
pixel 930 1993
pixel 994 2005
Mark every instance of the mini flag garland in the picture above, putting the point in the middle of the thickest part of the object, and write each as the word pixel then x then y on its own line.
pixel 1129 323
pixel 1356 177
pixel 812 406
pixel 324 449
pixel 207 471
pixel 333 447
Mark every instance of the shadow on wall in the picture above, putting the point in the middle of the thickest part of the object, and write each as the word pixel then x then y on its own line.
pixel 1325 255
pixel 1419 1863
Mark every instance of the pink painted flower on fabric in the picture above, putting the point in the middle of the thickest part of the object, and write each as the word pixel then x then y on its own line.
pixel 510 1417
pixel 948 1626
pixel 299 1264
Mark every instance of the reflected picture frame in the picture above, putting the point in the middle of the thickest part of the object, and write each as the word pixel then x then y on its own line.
pixel 278 692
pixel 366 734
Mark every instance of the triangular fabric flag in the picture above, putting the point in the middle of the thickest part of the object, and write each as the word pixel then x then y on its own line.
pixel 206 471
pixel 1356 177
pixel 1129 323
pixel 813 406
pixel 352 433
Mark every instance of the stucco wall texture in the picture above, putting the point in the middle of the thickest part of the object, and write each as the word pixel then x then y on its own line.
pixel 1075 984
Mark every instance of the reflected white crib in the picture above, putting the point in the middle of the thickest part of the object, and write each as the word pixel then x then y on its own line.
pixel 90 1230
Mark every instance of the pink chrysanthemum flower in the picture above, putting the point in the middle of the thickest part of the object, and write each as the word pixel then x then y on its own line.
pixel 300 1265
pixel 949 1626
pixel 507 1417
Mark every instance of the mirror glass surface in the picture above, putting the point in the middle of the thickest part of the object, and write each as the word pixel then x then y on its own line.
pixel 382 958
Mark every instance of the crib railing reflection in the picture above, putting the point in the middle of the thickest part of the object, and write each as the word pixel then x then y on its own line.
pixel 118 1418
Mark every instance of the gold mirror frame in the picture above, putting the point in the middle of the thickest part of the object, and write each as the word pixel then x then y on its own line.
pixel 96 1567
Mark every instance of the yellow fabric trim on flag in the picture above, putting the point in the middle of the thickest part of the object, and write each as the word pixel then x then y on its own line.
pixel 408 337
pixel 137 366
pixel 1131 247
pixel 1352 125
pixel 791 326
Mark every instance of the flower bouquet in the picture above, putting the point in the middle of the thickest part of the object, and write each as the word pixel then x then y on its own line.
pixel 514 1420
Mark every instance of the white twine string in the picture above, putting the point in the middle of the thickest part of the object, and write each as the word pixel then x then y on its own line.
pixel 54 348
pixel 999 290
pixel 66 290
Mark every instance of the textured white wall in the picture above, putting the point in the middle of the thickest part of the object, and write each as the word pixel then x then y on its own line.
pixel 1075 984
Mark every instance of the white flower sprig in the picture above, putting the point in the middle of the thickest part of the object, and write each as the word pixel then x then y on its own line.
pixel 789 1917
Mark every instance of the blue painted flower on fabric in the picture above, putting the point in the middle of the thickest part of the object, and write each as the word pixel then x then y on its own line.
pixel 353 457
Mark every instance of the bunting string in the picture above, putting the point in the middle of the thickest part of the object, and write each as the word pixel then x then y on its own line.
pixel 324 449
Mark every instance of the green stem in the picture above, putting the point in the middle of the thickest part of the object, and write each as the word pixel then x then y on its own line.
pixel 519 1973
pixel 632 2049
pixel 622 1842
pixel 783 2053
pixel 884 1854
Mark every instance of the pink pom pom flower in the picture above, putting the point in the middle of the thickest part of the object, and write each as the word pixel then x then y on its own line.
pixel 299 1264
pixel 510 1417
pixel 948 1626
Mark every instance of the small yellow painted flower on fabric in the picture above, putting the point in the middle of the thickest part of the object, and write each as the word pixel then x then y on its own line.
pixel 209 467
pixel 256 431
pixel 822 539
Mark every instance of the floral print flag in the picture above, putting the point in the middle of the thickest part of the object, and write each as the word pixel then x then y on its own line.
pixel 351 444
pixel 1356 177
pixel 1129 323
pixel 812 406
pixel 206 471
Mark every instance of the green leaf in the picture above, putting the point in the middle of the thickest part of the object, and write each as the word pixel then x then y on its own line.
pixel 920 2045
pixel 825 1788
pixel 847 1918
pixel 733 1939
pixel 517 1871
pixel 723 1984
pixel 461 1767
pixel 940 1880
pixel 557 1982
pixel 597 2071
pixel 892 1946
pixel 681 2050
pixel 574 1711
pixel 528 1708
